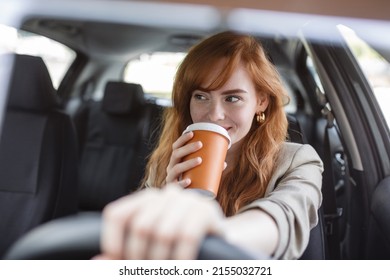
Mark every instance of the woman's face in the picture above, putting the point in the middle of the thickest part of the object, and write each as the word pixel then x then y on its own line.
pixel 233 106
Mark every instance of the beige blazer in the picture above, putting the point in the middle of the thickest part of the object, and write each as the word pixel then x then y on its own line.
pixel 293 197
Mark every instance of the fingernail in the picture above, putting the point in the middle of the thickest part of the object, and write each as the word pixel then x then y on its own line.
pixel 186 182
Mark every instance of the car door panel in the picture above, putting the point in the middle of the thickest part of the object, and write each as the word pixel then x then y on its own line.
pixel 379 230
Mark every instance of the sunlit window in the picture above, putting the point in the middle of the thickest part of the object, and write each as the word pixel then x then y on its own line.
pixel 56 56
pixel 374 66
pixel 155 72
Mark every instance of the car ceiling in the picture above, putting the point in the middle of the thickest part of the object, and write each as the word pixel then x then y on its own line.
pixel 373 9
pixel 104 40
pixel 123 29
pixel 107 39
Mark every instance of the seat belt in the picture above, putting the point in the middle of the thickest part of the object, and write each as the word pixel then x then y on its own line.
pixel 331 212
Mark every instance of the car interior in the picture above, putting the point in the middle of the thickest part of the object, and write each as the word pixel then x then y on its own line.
pixel 89 139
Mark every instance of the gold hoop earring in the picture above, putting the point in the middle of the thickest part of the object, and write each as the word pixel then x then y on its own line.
pixel 260 118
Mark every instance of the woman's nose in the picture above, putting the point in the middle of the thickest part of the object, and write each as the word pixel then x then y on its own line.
pixel 216 112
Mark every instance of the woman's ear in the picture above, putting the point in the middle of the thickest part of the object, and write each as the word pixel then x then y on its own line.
pixel 262 103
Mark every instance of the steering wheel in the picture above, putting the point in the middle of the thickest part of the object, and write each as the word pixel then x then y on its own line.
pixel 78 238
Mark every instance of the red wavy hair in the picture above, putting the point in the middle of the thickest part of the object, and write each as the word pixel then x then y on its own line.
pixel 260 147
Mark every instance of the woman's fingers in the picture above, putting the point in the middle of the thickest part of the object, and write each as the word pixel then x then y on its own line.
pixel 158 224
pixel 174 173
pixel 116 218
pixel 176 165
pixel 184 138
pixel 181 228
pixel 184 183
pixel 205 220
pixel 167 232
pixel 142 228
pixel 179 153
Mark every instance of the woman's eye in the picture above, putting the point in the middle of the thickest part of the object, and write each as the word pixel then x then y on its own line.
pixel 232 99
pixel 198 96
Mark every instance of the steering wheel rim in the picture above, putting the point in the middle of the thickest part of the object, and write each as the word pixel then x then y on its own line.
pixel 78 238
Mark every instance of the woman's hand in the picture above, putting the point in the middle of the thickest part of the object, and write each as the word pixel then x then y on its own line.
pixel 166 223
pixel 176 165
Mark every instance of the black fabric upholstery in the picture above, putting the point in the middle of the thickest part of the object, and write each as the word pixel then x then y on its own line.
pixel 38 154
pixel 115 135
pixel 379 228
pixel 316 249
pixel 31 85
pixel 295 133
pixel 123 98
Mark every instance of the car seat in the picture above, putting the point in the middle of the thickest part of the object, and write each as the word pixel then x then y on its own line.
pixel 115 135
pixel 316 249
pixel 38 153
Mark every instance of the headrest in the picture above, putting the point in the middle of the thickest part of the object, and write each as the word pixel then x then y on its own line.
pixel 31 87
pixel 123 98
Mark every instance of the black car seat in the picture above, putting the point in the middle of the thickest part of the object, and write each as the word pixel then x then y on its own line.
pixel 38 153
pixel 316 249
pixel 115 136
pixel 295 133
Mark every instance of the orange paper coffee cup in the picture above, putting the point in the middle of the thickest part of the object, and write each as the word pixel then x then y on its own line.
pixel 216 141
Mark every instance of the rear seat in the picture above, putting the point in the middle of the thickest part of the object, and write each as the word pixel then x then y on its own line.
pixel 114 136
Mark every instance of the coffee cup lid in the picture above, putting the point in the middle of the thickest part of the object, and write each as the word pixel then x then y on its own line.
pixel 209 127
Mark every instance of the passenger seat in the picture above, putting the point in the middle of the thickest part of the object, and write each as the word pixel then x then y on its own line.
pixel 114 135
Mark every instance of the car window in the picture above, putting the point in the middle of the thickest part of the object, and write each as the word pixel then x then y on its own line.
pixel 155 72
pixel 374 66
pixel 56 56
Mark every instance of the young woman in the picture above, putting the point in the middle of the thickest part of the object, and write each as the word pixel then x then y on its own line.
pixel 270 189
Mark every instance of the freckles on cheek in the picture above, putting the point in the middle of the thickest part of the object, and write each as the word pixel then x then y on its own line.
pixel 192 112
pixel 196 114
pixel 193 115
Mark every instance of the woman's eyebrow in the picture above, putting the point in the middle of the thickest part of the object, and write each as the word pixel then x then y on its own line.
pixel 226 92
pixel 233 91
